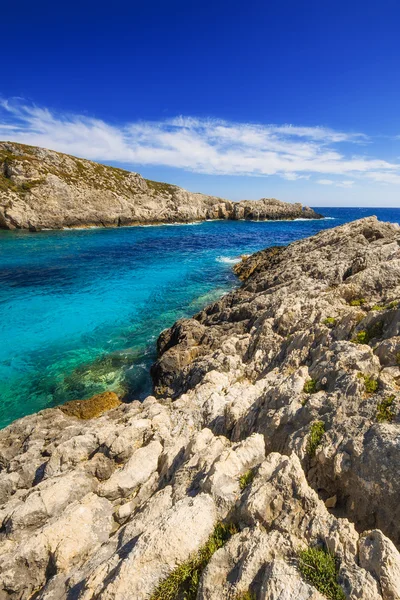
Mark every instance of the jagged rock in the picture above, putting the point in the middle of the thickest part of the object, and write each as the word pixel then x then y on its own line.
pixel 273 333
pixel 41 188
pixel 280 414
pixel 137 471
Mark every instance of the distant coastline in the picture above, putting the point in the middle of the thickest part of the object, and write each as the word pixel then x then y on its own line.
pixel 41 189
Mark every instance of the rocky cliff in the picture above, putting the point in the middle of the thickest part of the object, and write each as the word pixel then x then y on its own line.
pixel 43 189
pixel 267 467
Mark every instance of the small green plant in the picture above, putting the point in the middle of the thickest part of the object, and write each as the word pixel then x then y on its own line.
pixel 366 335
pixel 245 596
pixel 385 412
pixel 246 479
pixel 329 322
pixel 371 385
pixel 394 304
pixel 310 386
pixel 357 302
pixel 320 569
pixel 377 307
pixel 316 434
pixel 361 337
pixel 184 581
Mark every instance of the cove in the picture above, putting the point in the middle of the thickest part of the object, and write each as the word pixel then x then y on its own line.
pixel 81 309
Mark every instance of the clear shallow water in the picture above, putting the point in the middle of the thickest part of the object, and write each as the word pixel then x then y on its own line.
pixel 80 311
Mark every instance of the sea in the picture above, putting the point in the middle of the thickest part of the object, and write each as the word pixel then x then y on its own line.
pixel 81 310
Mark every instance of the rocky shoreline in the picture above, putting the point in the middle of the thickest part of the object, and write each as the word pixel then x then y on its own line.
pixel 42 189
pixel 265 466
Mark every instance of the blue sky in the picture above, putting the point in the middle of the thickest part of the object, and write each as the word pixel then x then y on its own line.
pixel 296 100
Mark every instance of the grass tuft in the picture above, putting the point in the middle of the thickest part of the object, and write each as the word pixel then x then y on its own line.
pixel 371 385
pixel 184 581
pixel 357 302
pixel 329 322
pixel 319 568
pixel 310 386
pixel 246 479
pixel 385 412
pixel 394 304
pixel 365 336
pixel 317 431
pixel 361 337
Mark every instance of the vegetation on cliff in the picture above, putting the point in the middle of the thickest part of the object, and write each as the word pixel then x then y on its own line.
pixel 41 188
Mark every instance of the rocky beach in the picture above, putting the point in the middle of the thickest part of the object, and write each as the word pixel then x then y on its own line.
pixel 44 189
pixel 264 466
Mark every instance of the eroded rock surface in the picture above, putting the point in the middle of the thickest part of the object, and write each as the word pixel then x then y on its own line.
pixel 278 413
pixel 43 189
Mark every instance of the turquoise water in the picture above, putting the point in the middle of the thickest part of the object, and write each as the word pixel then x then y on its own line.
pixel 81 310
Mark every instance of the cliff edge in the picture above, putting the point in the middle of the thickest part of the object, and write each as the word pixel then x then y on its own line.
pixel 43 189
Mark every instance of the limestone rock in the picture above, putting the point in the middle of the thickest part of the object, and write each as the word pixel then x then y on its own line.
pixel 41 188
pixel 278 412
pixel 135 472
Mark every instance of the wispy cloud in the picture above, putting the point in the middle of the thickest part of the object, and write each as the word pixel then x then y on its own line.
pixel 202 145
pixel 325 182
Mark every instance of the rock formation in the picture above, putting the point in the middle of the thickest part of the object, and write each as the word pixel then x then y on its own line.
pixel 43 189
pixel 274 437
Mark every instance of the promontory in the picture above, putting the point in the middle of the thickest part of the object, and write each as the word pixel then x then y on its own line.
pixel 44 189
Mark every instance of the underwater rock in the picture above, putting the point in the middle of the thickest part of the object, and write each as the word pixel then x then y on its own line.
pixel 92 407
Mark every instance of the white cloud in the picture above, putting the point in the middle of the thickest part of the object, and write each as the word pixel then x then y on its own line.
pixel 202 145
pixel 345 184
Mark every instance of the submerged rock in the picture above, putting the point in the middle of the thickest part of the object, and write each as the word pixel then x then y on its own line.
pixel 43 189
pixel 278 415
pixel 92 407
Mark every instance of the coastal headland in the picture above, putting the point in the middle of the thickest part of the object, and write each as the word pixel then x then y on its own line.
pixel 44 189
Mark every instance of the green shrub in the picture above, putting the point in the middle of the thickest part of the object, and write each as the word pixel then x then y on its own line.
pixel 310 386
pixel 246 479
pixel 385 412
pixel 183 582
pixel 394 304
pixel 378 307
pixel 317 431
pixel 371 385
pixel 357 302
pixel 320 569
pixel 329 322
pixel 365 336
pixel 361 337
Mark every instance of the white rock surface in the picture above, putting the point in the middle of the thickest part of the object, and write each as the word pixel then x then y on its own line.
pixel 107 508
